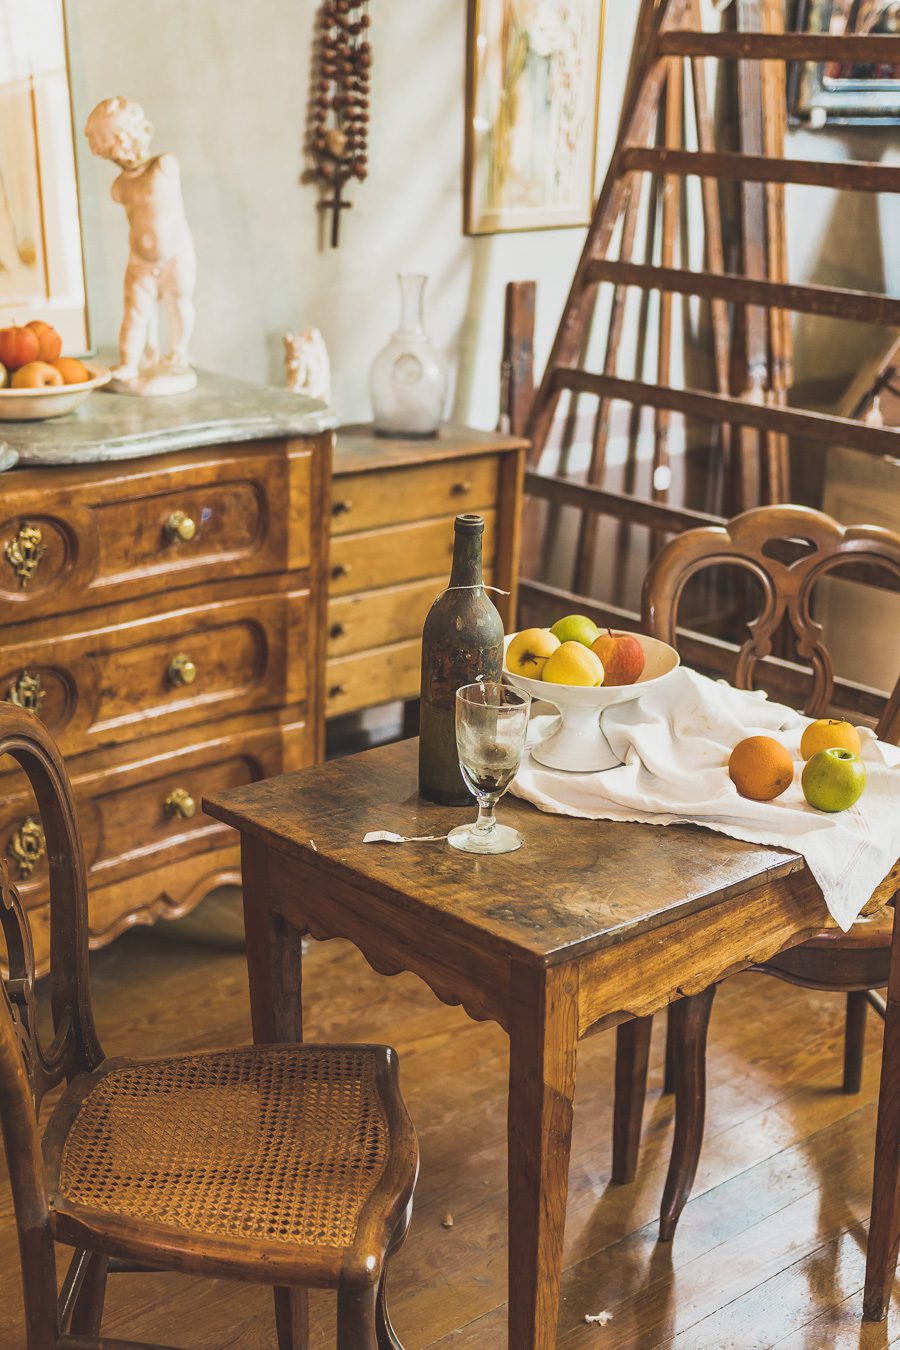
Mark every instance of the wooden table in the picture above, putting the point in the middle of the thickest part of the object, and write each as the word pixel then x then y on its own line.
pixel 590 923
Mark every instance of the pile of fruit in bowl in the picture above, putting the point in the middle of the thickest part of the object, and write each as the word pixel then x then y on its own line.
pixel 36 380
pixel 576 652
pixel 833 777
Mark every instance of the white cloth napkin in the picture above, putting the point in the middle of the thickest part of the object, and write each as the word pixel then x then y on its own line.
pixel 675 743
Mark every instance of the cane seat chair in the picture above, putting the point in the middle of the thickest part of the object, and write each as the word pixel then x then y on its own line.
pixel 788 549
pixel 287 1165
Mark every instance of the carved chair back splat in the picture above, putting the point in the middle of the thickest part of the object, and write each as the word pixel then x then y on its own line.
pixel 788 549
pixel 77 1183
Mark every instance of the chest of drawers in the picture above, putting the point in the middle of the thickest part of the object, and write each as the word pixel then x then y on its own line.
pixel 392 511
pixel 165 619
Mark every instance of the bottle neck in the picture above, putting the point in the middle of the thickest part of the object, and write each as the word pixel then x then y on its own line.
pixel 466 570
pixel 412 296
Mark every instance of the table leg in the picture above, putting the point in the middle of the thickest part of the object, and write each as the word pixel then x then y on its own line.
pixel 543 1034
pixel 274 968
pixel 884 1229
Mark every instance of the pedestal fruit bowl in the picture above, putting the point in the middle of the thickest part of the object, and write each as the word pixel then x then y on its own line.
pixel 577 743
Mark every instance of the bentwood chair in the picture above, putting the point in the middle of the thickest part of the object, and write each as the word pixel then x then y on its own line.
pixel 287 1165
pixel 788 549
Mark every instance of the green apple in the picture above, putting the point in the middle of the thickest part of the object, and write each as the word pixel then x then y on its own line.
pixel 4 376
pixel 576 628
pixel 833 779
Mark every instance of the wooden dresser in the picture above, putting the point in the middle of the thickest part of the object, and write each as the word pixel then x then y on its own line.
pixel 392 510
pixel 164 616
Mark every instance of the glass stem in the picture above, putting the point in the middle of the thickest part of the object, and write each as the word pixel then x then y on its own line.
pixel 485 822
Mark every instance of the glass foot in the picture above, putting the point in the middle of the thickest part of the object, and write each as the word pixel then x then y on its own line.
pixel 500 839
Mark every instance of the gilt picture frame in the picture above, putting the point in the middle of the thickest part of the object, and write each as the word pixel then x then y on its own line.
pixel 838 93
pixel 532 104
pixel 41 258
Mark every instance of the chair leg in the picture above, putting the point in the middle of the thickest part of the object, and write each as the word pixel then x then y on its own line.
pixel 688 1025
pixel 385 1334
pixel 669 1073
pixel 292 1318
pixel 357 1318
pixel 855 1040
pixel 632 1055
pixel 87 1312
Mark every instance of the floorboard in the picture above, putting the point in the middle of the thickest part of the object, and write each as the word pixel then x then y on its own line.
pixel 770 1251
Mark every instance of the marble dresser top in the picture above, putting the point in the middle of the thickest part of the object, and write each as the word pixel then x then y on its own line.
pixel 122 426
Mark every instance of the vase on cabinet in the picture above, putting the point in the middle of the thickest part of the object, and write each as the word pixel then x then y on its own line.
pixel 408 379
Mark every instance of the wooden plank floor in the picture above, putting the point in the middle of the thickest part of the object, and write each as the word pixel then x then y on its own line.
pixel 769 1252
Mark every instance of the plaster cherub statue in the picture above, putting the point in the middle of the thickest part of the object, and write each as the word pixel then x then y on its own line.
pixel 307 369
pixel 162 266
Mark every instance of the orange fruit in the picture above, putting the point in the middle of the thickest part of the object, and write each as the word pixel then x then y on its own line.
pixel 760 768
pixel 72 370
pixel 829 733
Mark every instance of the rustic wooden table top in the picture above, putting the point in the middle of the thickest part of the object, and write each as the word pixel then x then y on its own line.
pixel 575 887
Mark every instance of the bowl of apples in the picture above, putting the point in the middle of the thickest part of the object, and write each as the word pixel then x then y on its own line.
pixel 36 380
pixel 583 670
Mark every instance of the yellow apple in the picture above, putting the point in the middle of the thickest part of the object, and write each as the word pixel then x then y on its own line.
pixel 527 653
pixel 573 663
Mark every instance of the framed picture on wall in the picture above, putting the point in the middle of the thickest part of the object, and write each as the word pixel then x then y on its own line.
pixel 41 263
pixel 846 91
pixel 532 91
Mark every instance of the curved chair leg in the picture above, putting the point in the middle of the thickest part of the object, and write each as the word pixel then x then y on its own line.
pixel 385 1334
pixel 855 1040
pixel 688 1025
pixel 357 1318
pixel 669 1073
pixel 632 1054
pixel 87 1312
pixel 292 1318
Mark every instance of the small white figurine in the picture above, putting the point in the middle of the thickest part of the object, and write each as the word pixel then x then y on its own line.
pixel 162 266
pixel 307 369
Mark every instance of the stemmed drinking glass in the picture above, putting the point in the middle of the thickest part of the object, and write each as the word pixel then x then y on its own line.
pixel 491 721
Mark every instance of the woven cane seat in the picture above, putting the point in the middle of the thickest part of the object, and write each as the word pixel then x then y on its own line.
pixel 276 1144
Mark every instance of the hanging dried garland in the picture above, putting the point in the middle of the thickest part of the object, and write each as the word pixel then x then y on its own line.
pixel 340 106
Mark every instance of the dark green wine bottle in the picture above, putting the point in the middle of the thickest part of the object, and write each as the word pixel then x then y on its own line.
pixel 462 642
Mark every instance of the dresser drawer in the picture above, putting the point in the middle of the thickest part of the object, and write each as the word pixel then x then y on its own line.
pixel 136 815
pixel 370 678
pixel 357 623
pixel 75 539
pixel 140 672
pixel 378 558
pixel 363 501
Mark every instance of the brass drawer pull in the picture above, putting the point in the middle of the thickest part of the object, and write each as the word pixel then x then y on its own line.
pixel 181 670
pixel 179 805
pixel 341 508
pixel 462 488
pixel 24 552
pixel 180 528
pixel 27 846
pixel 336 690
pixel 337 630
pixel 26 692
pixel 340 570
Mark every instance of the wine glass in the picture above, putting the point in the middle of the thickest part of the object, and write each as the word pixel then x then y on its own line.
pixel 491 721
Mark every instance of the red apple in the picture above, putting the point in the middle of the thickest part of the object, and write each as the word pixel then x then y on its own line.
pixel 622 656
pixel 49 340
pixel 18 346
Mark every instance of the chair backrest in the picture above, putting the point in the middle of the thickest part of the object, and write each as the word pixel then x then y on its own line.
pixel 28 1070
pixel 788 549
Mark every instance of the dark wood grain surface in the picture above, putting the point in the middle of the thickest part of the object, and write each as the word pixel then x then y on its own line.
pixel 577 885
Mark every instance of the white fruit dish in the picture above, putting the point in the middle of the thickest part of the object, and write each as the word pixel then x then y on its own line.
pixel 577 742
pixel 53 400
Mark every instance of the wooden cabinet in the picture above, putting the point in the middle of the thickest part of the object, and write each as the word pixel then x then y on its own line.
pixel 166 619
pixel 392 512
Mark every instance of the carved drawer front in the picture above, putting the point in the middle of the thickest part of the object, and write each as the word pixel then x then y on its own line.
pixel 376 558
pixel 364 501
pixel 373 677
pixel 78 540
pixel 358 623
pixel 115 683
pixel 137 816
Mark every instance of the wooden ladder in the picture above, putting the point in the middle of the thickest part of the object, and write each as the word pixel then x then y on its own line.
pixel 668 34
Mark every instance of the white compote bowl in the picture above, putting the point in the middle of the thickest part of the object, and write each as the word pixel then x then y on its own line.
pixel 578 743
